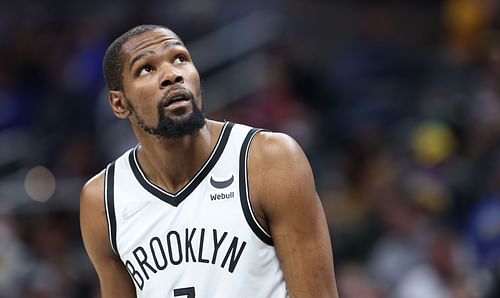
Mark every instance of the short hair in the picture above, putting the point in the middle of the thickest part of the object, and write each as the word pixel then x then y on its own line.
pixel 113 58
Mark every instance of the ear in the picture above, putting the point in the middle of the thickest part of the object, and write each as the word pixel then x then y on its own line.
pixel 119 104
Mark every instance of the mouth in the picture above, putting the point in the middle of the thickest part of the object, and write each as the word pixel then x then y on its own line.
pixel 179 95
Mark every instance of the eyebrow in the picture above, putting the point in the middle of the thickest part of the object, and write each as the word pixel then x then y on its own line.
pixel 150 52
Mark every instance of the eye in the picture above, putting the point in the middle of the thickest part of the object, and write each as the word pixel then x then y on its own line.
pixel 145 70
pixel 180 59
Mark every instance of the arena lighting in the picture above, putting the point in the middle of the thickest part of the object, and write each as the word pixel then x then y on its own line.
pixel 40 184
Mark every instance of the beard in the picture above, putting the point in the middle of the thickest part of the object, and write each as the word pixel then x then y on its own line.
pixel 174 127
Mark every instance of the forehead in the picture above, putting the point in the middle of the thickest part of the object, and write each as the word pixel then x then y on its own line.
pixel 149 40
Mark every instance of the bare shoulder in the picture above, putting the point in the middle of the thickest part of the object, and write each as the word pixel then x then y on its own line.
pixel 279 173
pixel 275 151
pixel 278 158
pixel 274 144
pixel 93 222
pixel 92 193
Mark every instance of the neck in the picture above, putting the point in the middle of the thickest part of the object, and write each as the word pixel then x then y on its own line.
pixel 171 164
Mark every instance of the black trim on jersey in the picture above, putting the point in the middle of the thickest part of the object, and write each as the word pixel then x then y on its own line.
pixel 245 193
pixel 109 198
pixel 177 198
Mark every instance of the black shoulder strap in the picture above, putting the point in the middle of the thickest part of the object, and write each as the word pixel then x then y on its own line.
pixel 109 204
pixel 245 193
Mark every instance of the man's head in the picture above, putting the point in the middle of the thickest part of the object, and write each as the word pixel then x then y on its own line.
pixel 153 82
pixel 113 59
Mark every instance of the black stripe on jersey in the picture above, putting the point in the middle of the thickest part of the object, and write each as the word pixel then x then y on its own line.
pixel 245 193
pixel 177 198
pixel 109 199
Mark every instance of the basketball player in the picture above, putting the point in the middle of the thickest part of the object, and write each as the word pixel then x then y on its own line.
pixel 199 208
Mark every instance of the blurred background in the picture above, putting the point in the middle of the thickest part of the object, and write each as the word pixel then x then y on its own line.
pixel 396 104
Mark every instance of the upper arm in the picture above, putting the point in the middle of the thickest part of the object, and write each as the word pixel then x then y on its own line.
pixel 285 200
pixel 114 278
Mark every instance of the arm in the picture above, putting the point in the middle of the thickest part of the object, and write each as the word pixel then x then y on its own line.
pixel 285 201
pixel 114 278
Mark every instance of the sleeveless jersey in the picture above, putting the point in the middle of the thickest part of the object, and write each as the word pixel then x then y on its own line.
pixel 203 241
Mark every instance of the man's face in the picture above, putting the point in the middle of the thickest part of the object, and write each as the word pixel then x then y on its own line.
pixel 161 85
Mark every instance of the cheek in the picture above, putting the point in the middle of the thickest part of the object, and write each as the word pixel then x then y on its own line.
pixel 149 111
pixel 145 109
pixel 196 87
pixel 197 94
pixel 143 98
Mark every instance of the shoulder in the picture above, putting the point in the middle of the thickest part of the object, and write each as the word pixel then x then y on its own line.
pixel 273 144
pixel 274 151
pixel 93 189
pixel 278 170
pixel 92 195
pixel 94 185
pixel 93 222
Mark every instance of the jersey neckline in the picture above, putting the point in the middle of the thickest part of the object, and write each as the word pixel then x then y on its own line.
pixel 175 199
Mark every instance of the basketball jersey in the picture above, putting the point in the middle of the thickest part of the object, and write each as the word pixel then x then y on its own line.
pixel 203 241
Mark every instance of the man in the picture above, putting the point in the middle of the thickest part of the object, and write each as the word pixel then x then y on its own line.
pixel 198 208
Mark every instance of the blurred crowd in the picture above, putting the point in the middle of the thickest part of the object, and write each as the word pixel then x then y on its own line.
pixel 396 104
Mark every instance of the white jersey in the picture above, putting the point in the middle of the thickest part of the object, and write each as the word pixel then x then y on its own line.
pixel 202 241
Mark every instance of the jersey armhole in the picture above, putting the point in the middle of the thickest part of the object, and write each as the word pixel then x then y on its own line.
pixel 109 205
pixel 246 204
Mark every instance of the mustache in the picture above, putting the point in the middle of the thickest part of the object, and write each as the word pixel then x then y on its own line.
pixel 171 95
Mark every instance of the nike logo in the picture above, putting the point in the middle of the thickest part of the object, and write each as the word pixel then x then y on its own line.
pixel 130 211
pixel 221 184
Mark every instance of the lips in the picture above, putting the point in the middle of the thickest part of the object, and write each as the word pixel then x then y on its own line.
pixel 175 96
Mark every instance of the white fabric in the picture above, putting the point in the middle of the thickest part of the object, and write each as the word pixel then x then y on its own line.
pixel 167 239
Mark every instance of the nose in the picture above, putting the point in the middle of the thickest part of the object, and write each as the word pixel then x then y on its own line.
pixel 171 77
